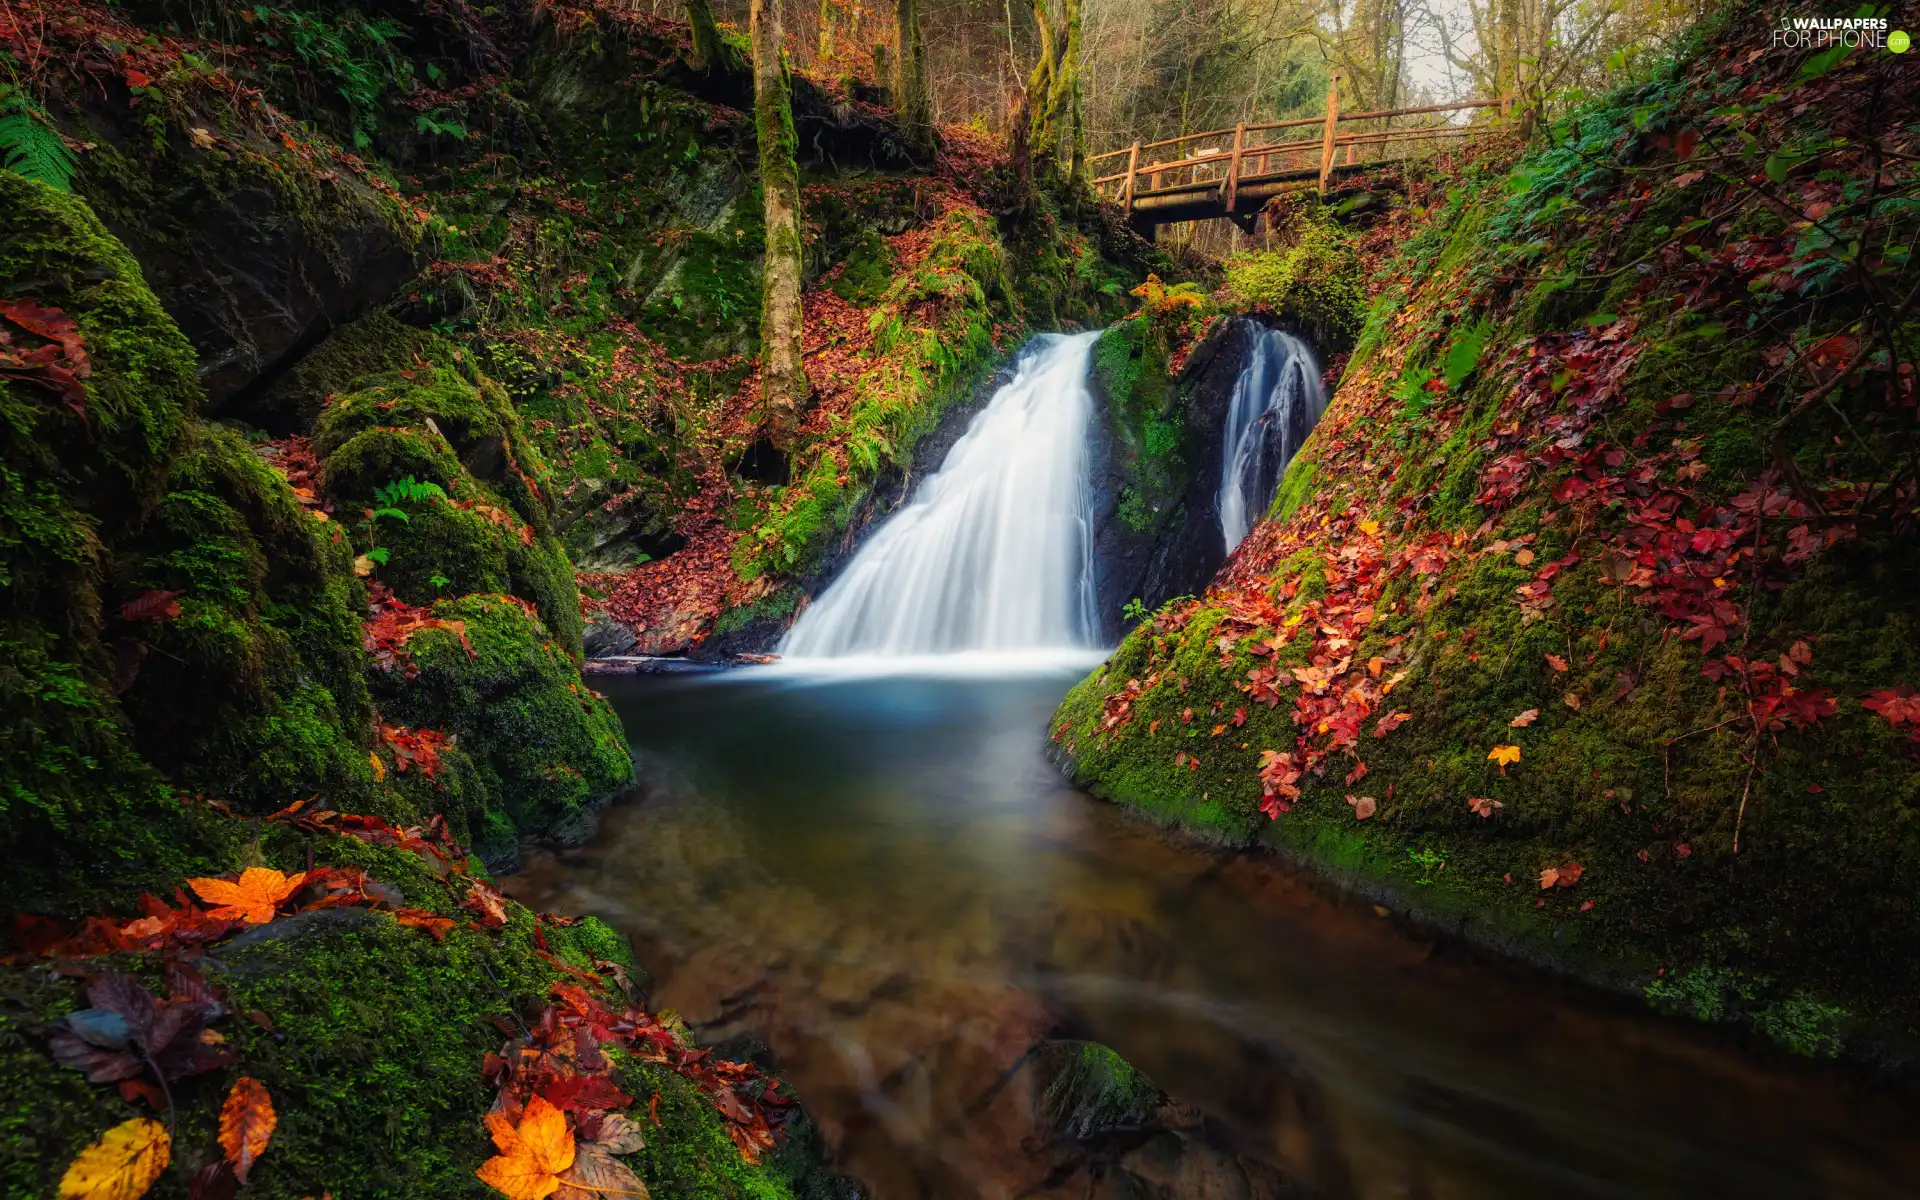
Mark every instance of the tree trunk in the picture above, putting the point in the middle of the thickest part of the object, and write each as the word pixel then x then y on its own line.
pixel 783 373
pixel 910 99
pixel 706 35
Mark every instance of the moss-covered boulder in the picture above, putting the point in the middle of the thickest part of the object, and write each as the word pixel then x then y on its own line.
pixel 548 750
pixel 254 692
pixel 80 813
pixel 1582 624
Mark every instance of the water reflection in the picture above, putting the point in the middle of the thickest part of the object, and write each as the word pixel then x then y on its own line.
pixel 882 879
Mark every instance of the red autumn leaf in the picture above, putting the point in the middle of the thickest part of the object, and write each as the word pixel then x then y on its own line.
pixel 1899 706
pixel 155 605
pixel 1387 724
pixel 580 1093
pixel 136 78
pixel 1556 662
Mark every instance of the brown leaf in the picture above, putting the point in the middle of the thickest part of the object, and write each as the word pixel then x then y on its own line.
pixel 247 1122
pixel 596 1173
pixel 1363 806
pixel 1525 719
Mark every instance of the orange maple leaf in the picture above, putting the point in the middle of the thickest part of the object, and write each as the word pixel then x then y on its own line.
pixel 247 1121
pixel 252 898
pixel 1504 755
pixel 532 1156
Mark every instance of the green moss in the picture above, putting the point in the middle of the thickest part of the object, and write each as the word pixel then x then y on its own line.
pixel 1090 1090
pixel 376 344
pixel 254 693
pixel 1316 278
pixel 547 750
pixel 1130 373
pixel 83 817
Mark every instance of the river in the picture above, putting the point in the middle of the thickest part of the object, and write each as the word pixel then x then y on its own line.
pixel 881 878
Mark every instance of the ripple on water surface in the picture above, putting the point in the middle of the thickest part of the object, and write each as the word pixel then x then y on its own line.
pixel 879 876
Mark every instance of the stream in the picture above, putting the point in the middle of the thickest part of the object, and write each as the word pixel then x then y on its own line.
pixel 880 877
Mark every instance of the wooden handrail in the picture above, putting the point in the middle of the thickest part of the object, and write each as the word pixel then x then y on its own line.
pixel 1272 148
pixel 1301 123
pixel 1363 138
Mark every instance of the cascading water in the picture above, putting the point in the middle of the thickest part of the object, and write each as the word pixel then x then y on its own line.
pixel 1275 404
pixel 995 552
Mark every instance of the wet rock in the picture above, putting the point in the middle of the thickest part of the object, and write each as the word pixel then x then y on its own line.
pixel 1086 1090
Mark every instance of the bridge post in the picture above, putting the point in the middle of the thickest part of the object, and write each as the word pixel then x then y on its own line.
pixel 1233 167
pixel 1333 121
pixel 1133 169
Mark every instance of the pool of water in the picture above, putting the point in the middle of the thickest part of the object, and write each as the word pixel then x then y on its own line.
pixel 883 880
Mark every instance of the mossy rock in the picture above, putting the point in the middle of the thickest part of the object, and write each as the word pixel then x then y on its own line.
pixel 376 344
pixel 255 692
pixel 83 817
pixel 1086 1090
pixel 548 750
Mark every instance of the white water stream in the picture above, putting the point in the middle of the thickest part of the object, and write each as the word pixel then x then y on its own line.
pixel 994 554
pixel 1275 403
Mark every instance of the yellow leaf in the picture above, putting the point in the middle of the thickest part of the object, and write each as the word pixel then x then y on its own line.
pixel 252 898
pixel 1370 528
pixel 379 768
pixel 532 1156
pixel 246 1125
pixel 1504 755
pixel 122 1165
pixel 363 566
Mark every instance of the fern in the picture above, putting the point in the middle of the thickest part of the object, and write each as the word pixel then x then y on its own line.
pixel 406 491
pixel 28 143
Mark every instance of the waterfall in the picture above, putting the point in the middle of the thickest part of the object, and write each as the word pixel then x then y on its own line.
pixel 1275 403
pixel 994 553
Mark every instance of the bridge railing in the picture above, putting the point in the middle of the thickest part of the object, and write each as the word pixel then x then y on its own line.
pixel 1225 159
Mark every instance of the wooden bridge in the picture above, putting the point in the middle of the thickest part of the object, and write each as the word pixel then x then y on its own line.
pixel 1249 168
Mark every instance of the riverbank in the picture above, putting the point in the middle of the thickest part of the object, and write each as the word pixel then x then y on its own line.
pixel 1574 629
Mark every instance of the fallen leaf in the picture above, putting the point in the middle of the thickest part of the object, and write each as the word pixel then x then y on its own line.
pixel 1571 700
pixel 247 1121
pixel 620 1134
pixel 1370 528
pixel 1525 719
pixel 252 898
pixel 155 605
pixel 122 1165
pixel 420 918
pixel 595 1173
pixel 582 1093
pixel 1504 755
pixel 1556 662
pixel 1363 806
pixel 533 1155
pixel 1486 806
pixel 1524 558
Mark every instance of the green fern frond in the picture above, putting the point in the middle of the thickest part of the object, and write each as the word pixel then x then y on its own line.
pixel 28 143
